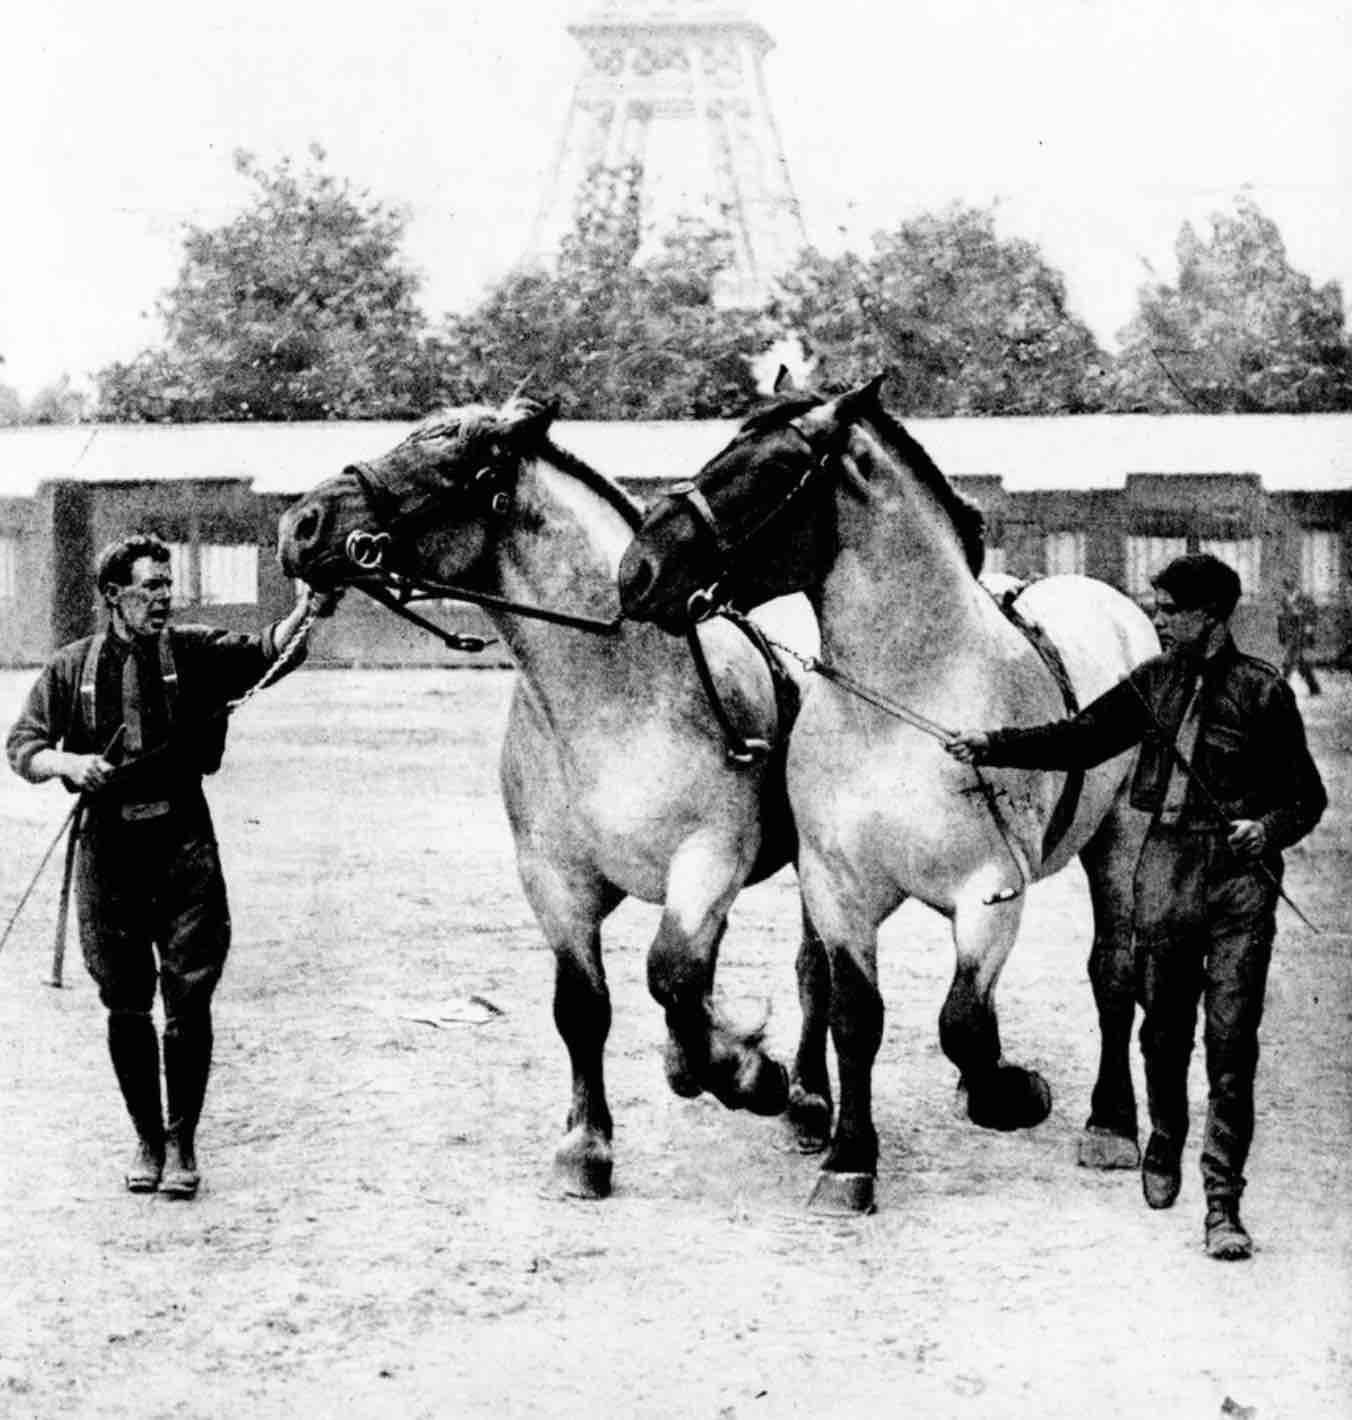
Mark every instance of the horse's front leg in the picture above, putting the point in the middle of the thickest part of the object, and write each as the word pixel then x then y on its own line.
pixel 850 1169
pixel 999 1095
pixel 570 913
pixel 705 1051
pixel 809 1110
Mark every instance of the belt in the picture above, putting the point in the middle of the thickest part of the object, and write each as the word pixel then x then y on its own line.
pixel 155 808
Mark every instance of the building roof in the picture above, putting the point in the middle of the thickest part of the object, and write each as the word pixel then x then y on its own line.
pixel 1288 452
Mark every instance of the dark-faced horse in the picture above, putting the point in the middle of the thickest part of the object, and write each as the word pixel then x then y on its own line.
pixel 615 775
pixel 836 498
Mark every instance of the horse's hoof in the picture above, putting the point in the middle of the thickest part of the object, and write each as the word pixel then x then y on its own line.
pixel 1009 1098
pixel 842 1194
pixel 1102 1148
pixel 809 1117
pixel 583 1167
pixel 767 1092
pixel 680 1076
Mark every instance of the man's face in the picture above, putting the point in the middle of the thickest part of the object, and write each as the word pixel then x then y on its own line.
pixel 1181 630
pixel 143 604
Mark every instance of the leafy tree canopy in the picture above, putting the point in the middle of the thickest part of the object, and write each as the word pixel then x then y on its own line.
pixel 1241 331
pixel 614 334
pixel 967 322
pixel 299 308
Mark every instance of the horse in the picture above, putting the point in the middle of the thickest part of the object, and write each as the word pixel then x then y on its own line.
pixel 614 770
pixel 834 497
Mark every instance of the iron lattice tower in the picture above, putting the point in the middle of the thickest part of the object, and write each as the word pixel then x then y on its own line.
pixel 678 87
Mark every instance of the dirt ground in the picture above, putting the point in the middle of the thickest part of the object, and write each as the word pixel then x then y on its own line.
pixel 376 1235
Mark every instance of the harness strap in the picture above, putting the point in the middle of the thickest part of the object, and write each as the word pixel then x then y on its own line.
pixel 1063 814
pixel 740 750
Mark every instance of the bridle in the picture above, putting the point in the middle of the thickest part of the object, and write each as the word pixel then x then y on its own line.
pixel 397 521
pixel 710 599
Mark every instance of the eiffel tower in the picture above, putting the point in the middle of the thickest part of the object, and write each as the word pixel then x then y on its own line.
pixel 678 87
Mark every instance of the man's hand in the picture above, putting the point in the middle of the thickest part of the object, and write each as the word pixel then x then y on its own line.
pixel 968 746
pixel 88 772
pixel 323 602
pixel 1247 837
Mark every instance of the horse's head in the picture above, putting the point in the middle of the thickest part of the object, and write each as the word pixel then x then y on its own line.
pixel 759 519
pixel 434 495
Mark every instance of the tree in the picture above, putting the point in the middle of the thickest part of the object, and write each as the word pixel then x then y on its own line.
pixel 1241 331
pixel 11 407
pixel 613 336
pixel 56 403
pixel 968 322
pixel 299 308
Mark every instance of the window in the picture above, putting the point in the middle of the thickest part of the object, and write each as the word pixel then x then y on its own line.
pixel 1244 554
pixel 180 568
pixel 9 567
pixel 1064 552
pixel 1320 565
pixel 229 574
pixel 994 560
pixel 1148 555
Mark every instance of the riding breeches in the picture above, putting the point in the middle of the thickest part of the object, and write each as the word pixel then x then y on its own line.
pixel 153 887
pixel 1205 920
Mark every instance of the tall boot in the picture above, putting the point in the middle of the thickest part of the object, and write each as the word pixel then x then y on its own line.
pixel 134 1048
pixel 187 1064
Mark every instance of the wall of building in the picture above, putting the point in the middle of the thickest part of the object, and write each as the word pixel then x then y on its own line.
pixel 52 539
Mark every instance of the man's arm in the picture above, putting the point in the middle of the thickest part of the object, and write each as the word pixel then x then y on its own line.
pixel 1293 778
pixel 33 745
pixel 1118 719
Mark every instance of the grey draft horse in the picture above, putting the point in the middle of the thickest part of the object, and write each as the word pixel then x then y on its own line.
pixel 615 775
pixel 835 498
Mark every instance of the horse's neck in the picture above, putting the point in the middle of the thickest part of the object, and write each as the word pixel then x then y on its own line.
pixel 561 550
pixel 900 593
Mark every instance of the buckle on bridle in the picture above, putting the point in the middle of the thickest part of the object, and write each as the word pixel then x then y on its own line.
pixel 702 604
pixel 366 550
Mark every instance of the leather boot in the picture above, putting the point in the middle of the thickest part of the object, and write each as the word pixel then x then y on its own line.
pixel 187 1064
pixel 1227 1239
pixel 134 1049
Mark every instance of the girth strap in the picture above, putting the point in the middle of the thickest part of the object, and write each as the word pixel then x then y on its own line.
pixel 1063 814
pixel 743 751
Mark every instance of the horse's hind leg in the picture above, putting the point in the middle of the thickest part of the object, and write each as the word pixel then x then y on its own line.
pixel 705 1051
pixel 809 1109
pixel 999 1095
pixel 1109 1139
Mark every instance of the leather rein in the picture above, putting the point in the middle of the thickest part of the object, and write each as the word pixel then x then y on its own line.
pixel 395 590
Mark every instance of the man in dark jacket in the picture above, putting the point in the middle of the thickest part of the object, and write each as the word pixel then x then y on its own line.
pixel 1225 773
pixel 132 718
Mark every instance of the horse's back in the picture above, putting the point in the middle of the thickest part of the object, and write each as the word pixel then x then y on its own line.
pixel 1100 633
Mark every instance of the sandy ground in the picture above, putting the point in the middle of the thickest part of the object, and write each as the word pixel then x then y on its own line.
pixel 376 1235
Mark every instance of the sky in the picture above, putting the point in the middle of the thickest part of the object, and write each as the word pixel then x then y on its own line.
pixel 1095 128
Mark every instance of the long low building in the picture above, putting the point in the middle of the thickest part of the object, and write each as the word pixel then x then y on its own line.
pixel 1113 496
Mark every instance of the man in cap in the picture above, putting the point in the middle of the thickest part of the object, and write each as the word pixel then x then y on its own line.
pixel 1226 775
pixel 132 718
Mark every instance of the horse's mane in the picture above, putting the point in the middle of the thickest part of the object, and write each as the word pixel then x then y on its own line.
pixel 474 420
pixel 605 488
pixel 969 523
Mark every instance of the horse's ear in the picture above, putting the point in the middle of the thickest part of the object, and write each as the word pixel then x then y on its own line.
pixel 860 401
pixel 531 418
pixel 784 381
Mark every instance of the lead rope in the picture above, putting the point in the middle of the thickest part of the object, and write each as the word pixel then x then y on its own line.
pixel 816 666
